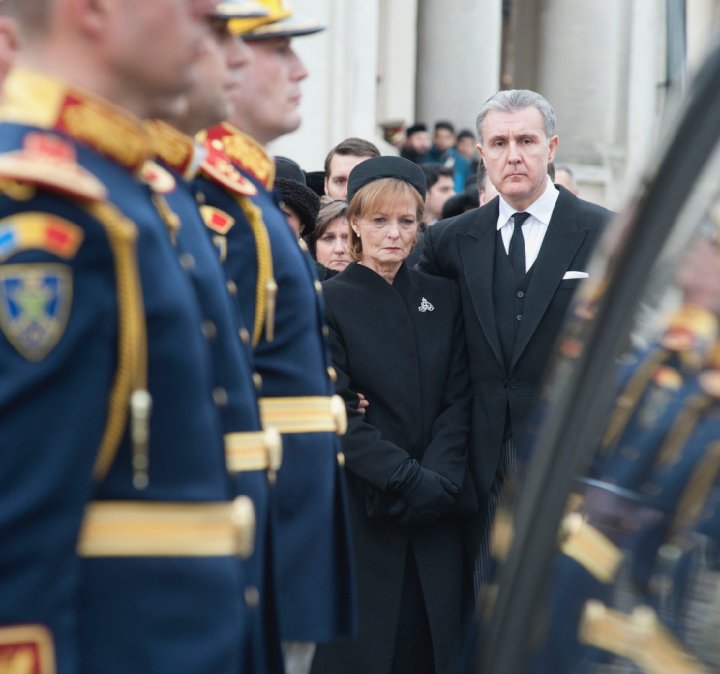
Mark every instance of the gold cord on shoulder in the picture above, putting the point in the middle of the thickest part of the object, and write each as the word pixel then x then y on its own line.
pixel 628 400
pixel 265 287
pixel 131 372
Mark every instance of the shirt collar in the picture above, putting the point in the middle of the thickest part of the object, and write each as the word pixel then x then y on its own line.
pixel 541 209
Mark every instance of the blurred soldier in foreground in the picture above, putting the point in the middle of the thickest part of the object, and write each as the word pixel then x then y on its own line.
pixel 253 458
pixel 280 301
pixel 120 529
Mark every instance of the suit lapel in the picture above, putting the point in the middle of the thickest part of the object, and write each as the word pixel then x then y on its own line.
pixel 561 243
pixel 477 252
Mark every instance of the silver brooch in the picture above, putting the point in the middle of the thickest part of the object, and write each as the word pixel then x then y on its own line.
pixel 425 306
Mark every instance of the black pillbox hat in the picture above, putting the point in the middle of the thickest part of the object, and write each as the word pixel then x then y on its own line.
pixel 377 168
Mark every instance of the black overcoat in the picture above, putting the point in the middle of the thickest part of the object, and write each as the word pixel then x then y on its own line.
pixel 403 347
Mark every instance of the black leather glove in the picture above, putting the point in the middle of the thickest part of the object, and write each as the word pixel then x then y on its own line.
pixel 403 513
pixel 426 491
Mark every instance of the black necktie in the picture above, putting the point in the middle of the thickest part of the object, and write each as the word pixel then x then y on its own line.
pixel 516 251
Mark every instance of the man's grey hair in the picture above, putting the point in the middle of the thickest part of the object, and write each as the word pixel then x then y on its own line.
pixel 511 100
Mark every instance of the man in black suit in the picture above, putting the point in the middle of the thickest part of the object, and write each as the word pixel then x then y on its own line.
pixel 515 283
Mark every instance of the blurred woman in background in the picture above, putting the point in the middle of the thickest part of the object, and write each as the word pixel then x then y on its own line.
pixel 329 241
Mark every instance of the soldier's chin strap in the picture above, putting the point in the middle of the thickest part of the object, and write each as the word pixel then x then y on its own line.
pixel 129 389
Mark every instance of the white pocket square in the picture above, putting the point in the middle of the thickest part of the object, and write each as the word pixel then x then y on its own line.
pixel 574 274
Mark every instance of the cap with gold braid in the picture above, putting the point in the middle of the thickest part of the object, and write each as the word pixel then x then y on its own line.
pixel 281 21
pixel 238 9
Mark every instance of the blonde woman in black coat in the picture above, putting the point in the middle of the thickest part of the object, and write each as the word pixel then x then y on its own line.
pixel 396 337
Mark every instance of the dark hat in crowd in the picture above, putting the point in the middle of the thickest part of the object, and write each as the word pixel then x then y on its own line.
pixel 315 180
pixel 415 128
pixel 300 199
pixel 289 170
pixel 377 168
pixel 459 203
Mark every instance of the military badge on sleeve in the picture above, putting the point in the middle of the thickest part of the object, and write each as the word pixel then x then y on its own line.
pixel 35 302
pixel 35 298
pixel 26 649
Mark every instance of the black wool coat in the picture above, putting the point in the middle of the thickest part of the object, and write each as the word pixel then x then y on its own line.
pixel 403 347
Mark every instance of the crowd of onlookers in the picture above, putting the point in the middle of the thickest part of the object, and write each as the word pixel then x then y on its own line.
pixel 314 201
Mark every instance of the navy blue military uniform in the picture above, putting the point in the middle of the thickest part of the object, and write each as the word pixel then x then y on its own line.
pixel 645 517
pixel 280 300
pixel 120 531
pixel 253 458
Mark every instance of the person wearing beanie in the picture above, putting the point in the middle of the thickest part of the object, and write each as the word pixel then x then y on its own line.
pixel 417 143
pixel 300 205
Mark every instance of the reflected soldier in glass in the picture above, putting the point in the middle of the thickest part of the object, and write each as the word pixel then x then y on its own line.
pixel 636 585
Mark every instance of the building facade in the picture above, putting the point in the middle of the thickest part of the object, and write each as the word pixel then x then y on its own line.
pixel 609 69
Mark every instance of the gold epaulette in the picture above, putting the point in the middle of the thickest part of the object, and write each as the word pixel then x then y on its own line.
pixel 217 166
pixel 244 151
pixel 35 99
pixel 638 637
pixel 48 162
pixel 692 327
pixel 171 147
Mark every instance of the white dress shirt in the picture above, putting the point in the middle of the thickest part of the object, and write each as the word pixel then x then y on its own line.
pixel 534 227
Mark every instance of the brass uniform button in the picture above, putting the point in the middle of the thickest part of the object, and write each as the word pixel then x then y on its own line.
pixel 252 596
pixel 257 380
pixel 244 336
pixel 303 245
pixel 332 374
pixel 187 262
pixel 209 330
pixel 200 197
pixel 325 331
pixel 341 459
pixel 220 396
pixel 231 287
pixel 318 287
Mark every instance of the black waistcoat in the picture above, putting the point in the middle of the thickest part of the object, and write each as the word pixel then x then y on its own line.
pixel 509 292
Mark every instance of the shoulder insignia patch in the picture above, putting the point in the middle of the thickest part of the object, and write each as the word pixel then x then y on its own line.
pixel 217 220
pixel 26 649
pixel 39 231
pixel 35 302
pixel 50 162
pixel 218 167
pixel 158 178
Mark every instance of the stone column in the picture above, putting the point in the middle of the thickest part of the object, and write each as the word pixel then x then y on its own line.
pixel 339 96
pixel 397 61
pixel 458 58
